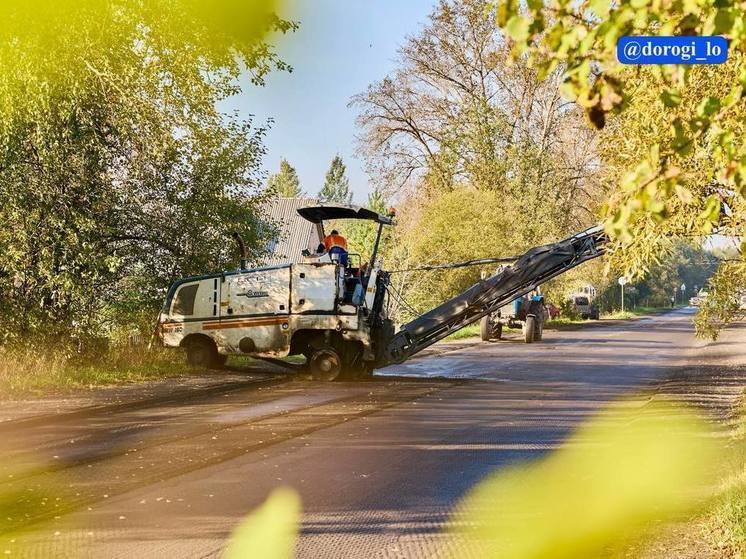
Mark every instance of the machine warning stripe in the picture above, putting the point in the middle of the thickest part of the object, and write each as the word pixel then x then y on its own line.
pixel 243 323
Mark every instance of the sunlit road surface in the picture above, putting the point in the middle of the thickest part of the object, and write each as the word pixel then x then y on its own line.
pixel 379 465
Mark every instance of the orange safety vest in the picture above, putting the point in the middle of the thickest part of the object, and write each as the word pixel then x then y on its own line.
pixel 335 241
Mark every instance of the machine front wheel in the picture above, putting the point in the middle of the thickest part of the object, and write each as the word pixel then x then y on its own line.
pixel 529 329
pixel 325 364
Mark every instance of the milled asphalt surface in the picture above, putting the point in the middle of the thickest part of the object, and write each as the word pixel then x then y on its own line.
pixel 379 465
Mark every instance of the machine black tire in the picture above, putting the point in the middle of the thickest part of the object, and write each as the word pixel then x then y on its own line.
pixel 539 331
pixel 325 364
pixel 529 329
pixel 499 331
pixel 485 328
pixel 356 372
pixel 203 354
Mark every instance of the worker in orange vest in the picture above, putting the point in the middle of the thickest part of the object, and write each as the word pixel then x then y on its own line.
pixel 334 243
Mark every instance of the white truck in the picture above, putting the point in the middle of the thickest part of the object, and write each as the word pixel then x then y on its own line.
pixel 334 313
pixel 583 301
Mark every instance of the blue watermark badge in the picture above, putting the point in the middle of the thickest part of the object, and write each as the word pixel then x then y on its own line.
pixel 672 50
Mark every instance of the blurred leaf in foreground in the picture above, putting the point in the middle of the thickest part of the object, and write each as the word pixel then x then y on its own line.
pixel 269 532
pixel 618 474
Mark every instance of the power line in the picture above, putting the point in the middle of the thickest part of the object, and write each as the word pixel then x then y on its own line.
pixel 475 262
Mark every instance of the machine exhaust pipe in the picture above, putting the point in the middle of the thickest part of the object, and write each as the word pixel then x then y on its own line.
pixel 242 249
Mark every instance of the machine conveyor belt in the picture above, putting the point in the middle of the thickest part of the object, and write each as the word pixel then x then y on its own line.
pixel 538 265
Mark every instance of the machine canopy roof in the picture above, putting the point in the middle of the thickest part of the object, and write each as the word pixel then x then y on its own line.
pixel 317 214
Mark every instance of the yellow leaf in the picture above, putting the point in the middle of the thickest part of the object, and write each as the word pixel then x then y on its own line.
pixel 625 469
pixel 269 532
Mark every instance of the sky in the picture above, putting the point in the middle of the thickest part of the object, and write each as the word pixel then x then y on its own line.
pixel 342 46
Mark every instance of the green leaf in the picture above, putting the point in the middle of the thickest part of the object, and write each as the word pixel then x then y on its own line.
pixel 708 106
pixel 600 7
pixel 711 211
pixel 681 142
pixel 723 22
pixel 671 98
pixel 505 10
pixel 517 28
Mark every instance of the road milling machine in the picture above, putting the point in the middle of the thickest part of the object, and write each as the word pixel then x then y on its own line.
pixel 333 310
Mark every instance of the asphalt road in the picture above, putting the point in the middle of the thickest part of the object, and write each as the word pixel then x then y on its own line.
pixel 379 465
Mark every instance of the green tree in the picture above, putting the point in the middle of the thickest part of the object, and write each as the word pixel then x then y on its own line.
pixel 285 183
pixel 336 184
pixel 459 225
pixel 117 171
pixel 361 235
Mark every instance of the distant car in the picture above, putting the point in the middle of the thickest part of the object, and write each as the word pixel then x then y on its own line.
pixel 742 302
pixel 699 298
pixel 584 306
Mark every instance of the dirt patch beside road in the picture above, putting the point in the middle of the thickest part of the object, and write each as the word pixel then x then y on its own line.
pixel 720 393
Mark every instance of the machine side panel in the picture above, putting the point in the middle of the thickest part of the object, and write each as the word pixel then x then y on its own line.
pixel 256 292
pixel 315 288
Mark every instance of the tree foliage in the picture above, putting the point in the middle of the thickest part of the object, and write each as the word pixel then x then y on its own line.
pixel 117 172
pixel 683 263
pixel 336 187
pixel 676 150
pixel 285 183
pixel 457 125
pixel 455 113
pixel 361 235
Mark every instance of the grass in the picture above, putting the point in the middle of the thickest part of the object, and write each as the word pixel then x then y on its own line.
pixel 27 372
pixel 726 523
pixel 632 313
pixel 469 332
pixel 30 373
pixel 472 330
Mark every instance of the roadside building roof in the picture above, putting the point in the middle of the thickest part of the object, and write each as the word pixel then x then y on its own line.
pixel 295 233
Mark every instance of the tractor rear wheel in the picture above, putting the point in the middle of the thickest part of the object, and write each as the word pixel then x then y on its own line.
pixel 539 331
pixel 529 329
pixel 325 364
pixel 485 328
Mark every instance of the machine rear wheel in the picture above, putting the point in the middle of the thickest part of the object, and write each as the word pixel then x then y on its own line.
pixel 203 354
pixel 499 331
pixel 325 364
pixel 529 329
pixel 485 328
